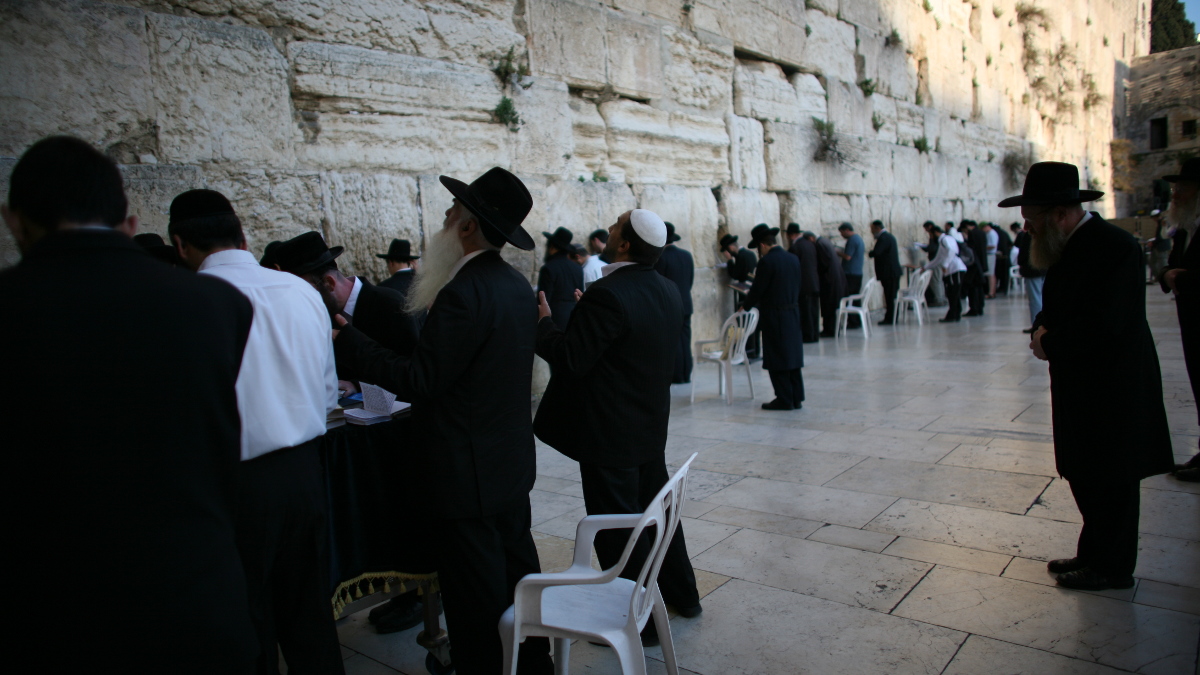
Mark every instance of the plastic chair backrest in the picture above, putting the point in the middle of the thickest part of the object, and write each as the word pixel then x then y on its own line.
pixel 868 290
pixel 736 332
pixel 923 283
pixel 663 513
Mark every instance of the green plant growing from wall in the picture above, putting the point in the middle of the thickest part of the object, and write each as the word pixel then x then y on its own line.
pixel 1014 167
pixel 1032 14
pixel 828 147
pixel 988 60
pixel 937 23
pixel 1091 96
pixel 893 40
pixel 997 11
pixel 928 6
pixel 918 99
pixel 807 30
pixel 991 155
pixel 506 113
pixel 876 121
pixel 597 178
pixel 867 86
pixel 505 66
pixel 922 145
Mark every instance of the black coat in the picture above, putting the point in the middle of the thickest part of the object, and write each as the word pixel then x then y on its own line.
pixel 1024 244
pixel 1004 248
pixel 469 382
pixel 126 476
pixel 810 279
pixel 829 267
pixel 1105 383
pixel 609 397
pixel 1187 304
pixel 977 240
pixel 887 257
pixel 776 294
pixel 677 265
pixel 379 313
pixel 399 282
pixel 559 279
pixel 742 265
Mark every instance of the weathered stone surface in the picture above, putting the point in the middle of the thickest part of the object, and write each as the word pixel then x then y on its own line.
pixel 581 207
pixel 789 157
pixel 150 188
pixel 79 68
pixel 771 28
pixel 414 144
pixel 273 205
pixel 590 151
pixel 829 49
pixel 365 212
pixel 810 96
pixel 544 144
pixel 802 208
pixel 883 118
pixel 743 209
pixel 761 91
pixel 697 71
pixel 654 146
pixel 221 93
pixel 746 152
pixel 849 110
pixel 888 66
pixel 693 211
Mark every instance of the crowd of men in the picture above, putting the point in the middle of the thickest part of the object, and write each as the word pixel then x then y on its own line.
pixel 186 489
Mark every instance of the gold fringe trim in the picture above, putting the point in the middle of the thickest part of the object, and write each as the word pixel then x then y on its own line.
pixel 349 591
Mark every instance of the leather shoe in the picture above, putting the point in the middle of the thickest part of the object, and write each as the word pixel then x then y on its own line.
pixel 776 405
pixel 885 323
pixel 1064 565
pixel 690 612
pixel 825 334
pixel 973 314
pixel 1088 579
pixel 400 603
pixel 1189 474
pixel 948 320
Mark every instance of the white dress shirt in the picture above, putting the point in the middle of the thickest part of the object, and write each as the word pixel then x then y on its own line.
pixel 592 269
pixel 946 257
pixel 613 267
pixel 352 301
pixel 288 382
pixel 1087 215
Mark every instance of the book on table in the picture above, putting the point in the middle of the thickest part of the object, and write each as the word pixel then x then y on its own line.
pixel 379 405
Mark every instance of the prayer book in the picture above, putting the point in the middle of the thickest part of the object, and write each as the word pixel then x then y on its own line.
pixel 379 405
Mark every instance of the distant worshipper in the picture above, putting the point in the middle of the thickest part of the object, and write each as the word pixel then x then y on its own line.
pixel 128 487
pixel 853 257
pixel 559 277
pixel 935 294
pixel 677 265
pixel 270 256
pixel 1110 426
pixel 833 282
pixel 286 387
pixel 776 294
pixel 975 278
pixel 952 268
pixel 1180 277
pixel 579 256
pixel 469 381
pixel 1003 264
pixel 810 283
pixel 1161 245
pixel 401 264
pixel 611 376
pixel 992 237
pixel 154 245
pixel 739 264
pixel 886 254
pixel 595 262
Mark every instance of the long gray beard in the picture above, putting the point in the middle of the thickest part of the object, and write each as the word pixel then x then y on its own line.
pixel 1183 215
pixel 1047 247
pixel 444 250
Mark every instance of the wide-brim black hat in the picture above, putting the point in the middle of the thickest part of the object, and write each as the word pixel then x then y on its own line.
pixel 500 201
pixel 1051 184
pixel 400 251
pixel 760 232
pixel 793 228
pixel 1190 171
pixel 270 256
pixel 671 236
pixel 305 253
pixel 728 239
pixel 560 239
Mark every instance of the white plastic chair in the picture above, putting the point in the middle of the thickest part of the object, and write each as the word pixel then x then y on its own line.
pixel 731 352
pixel 847 307
pixel 600 606
pixel 914 296
pixel 1015 280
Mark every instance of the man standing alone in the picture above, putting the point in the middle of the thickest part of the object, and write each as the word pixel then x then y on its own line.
pixel 887 268
pixel 1110 426
pixel 677 265
pixel 776 294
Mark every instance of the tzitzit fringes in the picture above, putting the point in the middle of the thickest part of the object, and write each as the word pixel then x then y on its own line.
pixel 351 590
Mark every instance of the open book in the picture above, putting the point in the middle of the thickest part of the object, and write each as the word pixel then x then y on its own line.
pixel 379 405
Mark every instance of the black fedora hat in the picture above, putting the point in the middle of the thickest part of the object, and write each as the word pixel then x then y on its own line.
pixel 760 232
pixel 728 239
pixel 154 245
pixel 1190 171
pixel 400 251
pixel 270 257
pixel 671 236
pixel 305 253
pixel 793 228
pixel 560 239
pixel 1051 184
pixel 500 201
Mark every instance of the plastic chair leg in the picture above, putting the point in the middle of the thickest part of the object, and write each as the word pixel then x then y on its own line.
pixel 562 655
pixel 631 655
pixel 727 378
pixel 693 385
pixel 750 379
pixel 658 613
pixel 508 642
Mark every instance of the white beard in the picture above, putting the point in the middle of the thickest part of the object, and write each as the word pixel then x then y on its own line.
pixel 444 250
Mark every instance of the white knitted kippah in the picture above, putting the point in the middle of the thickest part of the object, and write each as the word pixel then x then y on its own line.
pixel 649 227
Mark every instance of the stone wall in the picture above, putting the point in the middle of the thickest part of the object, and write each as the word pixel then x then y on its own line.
pixel 338 116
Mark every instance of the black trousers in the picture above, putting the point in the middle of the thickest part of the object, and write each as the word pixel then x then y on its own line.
pixel 810 317
pixel 853 286
pixel 480 561
pixel 954 288
pixel 789 385
pixel 829 306
pixel 283 538
pixel 976 289
pixel 609 489
pixel 1108 542
pixel 683 353
pixel 890 287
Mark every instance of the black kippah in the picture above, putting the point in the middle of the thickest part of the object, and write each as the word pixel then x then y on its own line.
pixel 199 204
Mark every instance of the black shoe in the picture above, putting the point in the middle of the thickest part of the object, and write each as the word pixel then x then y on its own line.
pixel 690 612
pixel 1064 565
pixel 949 320
pixel 824 334
pixel 1188 474
pixel 1028 331
pixel 973 314
pixel 1088 579
pixel 394 622
pixel 400 603
pixel 776 405
pixel 886 323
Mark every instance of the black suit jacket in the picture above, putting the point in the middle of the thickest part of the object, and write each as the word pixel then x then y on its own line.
pixel 380 315
pixel 776 294
pixel 1186 259
pixel 810 279
pixel 609 397
pixel 127 467
pixel 829 266
pixel 469 381
pixel 1105 383
pixel 677 265
pixel 887 257
pixel 977 240
pixel 399 282
pixel 742 265
pixel 559 278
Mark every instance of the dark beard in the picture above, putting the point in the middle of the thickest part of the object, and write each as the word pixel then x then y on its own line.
pixel 1047 247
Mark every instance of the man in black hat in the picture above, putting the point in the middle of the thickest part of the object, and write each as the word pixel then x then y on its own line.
pixel 401 263
pixel 133 489
pixel 155 246
pixel 1110 426
pixel 739 262
pixel 377 312
pixel 560 277
pixel 975 280
pixel 270 256
pixel 833 282
pixel 887 268
pixel 810 283
pixel 776 294
pixel 677 265
pixel 1180 276
pixel 469 381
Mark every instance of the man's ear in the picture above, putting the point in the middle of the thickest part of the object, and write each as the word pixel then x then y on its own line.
pixel 128 227
pixel 16 225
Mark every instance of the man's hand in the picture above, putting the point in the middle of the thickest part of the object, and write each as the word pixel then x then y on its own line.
pixel 543 306
pixel 346 388
pixel 578 295
pixel 727 255
pixel 1169 278
pixel 1035 343
pixel 341 323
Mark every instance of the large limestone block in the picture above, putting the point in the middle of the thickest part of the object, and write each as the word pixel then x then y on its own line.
pixel 434 200
pixel 273 205
pixel 802 208
pixel 770 28
pixel 589 156
pixel 581 207
pixel 835 210
pixel 545 143
pixel 907 171
pixel 746 152
pixel 789 157
pixel 849 110
pixel 654 146
pixel 743 209
pixel 888 66
pixel 150 188
pixel 829 49
pixel 78 68
pixel 910 122
pixel 693 211
pixel 876 165
pixel 876 15
pixel 810 96
pixel 697 71
pixel 365 212
pixel 221 93
pixel 634 55
pixel 341 78
pixel 883 115
pixel 414 144
pixel 762 91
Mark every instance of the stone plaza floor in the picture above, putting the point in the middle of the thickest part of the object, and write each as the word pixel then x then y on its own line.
pixel 899 523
